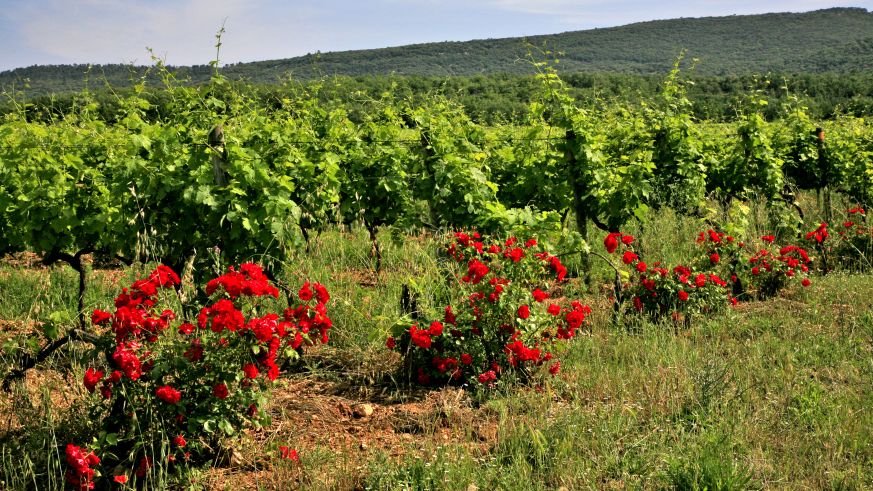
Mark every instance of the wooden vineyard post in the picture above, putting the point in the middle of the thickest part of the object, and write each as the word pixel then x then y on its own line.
pixel 578 206
pixel 375 250
pixel 219 171
pixel 75 262
pixel 219 155
pixel 824 169
pixel 408 302
pixel 429 157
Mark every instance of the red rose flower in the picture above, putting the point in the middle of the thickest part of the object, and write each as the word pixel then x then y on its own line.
pixel 164 277
pixel 100 317
pixel 321 293
pixel 449 317
pixel 220 391
pixel 436 328
pixel 524 312
pixel 288 453
pixel 487 377
pixel 516 254
pixel 305 293
pixel 555 368
pixel 80 462
pixel 476 270
pixel 420 338
pixel 250 370
pixel 611 242
pixel 168 394
pixel 186 328
pixel 92 377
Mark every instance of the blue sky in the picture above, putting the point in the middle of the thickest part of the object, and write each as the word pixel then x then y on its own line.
pixel 39 32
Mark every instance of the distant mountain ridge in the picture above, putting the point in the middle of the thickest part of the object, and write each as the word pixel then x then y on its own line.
pixel 838 40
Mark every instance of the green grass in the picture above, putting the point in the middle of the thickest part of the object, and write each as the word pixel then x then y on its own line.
pixel 773 396
pixel 768 395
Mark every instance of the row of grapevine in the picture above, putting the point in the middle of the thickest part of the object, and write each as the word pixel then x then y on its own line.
pixel 222 170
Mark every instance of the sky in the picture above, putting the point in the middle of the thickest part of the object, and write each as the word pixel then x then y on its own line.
pixel 182 32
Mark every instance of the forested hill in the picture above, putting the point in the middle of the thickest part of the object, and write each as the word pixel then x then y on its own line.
pixel 833 40
pixel 826 40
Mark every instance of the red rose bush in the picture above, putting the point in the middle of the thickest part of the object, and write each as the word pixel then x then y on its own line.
pixel 502 320
pixel 174 388
pixel 850 246
pixel 680 291
pixel 771 267
pixel 725 270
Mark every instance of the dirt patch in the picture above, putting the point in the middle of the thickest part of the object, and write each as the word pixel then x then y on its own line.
pixel 312 415
pixel 23 260
pixel 113 279
pixel 28 402
pixel 12 328
pixel 367 278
